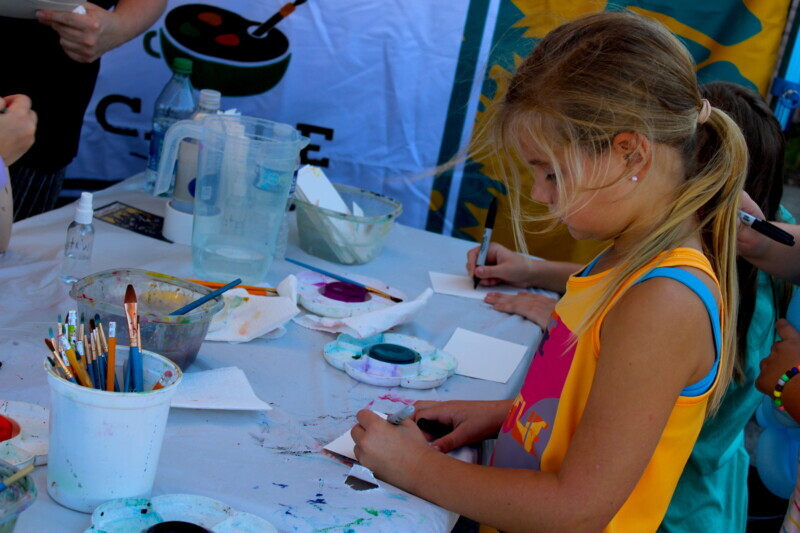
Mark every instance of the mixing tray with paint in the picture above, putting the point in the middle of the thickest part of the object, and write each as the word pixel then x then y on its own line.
pixel 325 296
pixel 391 360
pixel 129 515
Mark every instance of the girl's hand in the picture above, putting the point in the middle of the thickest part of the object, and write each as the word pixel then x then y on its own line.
pixel 471 421
pixel 535 307
pixel 17 127
pixel 502 266
pixel 784 355
pixel 394 453
pixel 750 243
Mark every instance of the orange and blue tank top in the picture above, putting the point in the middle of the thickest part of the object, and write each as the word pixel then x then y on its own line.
pixel 546 412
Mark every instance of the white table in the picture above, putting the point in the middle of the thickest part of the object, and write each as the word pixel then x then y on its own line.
pixel 266 463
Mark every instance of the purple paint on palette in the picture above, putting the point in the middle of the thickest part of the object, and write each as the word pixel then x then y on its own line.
pixel 342 291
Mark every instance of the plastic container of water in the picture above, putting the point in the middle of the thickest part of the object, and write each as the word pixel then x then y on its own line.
pixel 176 102
pixel 244 174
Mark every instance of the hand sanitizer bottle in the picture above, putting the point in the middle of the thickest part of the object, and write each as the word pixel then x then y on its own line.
pixel 80 239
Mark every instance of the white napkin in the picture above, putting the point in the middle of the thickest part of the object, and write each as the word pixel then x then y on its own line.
pixel 368 323
pixel 221 388
pixel 246 316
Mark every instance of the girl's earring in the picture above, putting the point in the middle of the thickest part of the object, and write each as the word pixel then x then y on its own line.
pixel 634 178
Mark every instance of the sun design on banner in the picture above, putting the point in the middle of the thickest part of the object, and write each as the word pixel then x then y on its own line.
pixel 731 40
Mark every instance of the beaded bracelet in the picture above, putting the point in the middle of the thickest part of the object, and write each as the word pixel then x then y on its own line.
pixel 792 372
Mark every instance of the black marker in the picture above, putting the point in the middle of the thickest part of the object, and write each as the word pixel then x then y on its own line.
pixel 487 236
pixel 765 228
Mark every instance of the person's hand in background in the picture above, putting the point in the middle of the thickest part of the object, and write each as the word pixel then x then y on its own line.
pixel 86 37
pixel 17 127
pixel 784 355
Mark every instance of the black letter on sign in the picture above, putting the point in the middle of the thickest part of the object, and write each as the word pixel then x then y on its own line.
pixel 100 113
pixel 307 130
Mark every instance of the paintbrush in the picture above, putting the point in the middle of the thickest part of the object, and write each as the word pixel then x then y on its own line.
pixel 135 356
pixel 112 357
pixel 80 371
pixel 60 361
pixel 102 349
pixel 252 289
pixel 16 476
pixel 80 349
pixel 164 380
pixel 203 299
pixel 282 13
pixel 373 290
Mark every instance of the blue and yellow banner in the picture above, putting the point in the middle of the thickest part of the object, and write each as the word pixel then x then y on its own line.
pixel 731 40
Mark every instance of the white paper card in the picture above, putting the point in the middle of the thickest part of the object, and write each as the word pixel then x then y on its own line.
pixel 344 444
pixel 458 285
pixel 484 357
pixel 221 388
pixel 314 187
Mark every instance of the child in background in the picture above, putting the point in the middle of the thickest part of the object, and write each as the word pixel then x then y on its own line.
pixel 17 129
pixel 712 492
pixel 637 351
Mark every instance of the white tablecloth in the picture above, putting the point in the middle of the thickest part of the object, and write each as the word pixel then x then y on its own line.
pixel 266 463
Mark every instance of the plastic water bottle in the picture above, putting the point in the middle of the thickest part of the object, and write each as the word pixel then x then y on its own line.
pixel 80 240
pixel 186 171
pixel 176 102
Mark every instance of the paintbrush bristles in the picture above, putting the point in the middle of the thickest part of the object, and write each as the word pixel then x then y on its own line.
pixel 131 316
pixel 130 295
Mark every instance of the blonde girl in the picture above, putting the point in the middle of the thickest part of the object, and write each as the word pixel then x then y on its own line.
pixel 608 117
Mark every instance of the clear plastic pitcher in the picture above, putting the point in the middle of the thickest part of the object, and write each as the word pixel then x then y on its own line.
pixel 245 169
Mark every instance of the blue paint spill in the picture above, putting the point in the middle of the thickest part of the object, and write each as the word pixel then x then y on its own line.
pixel 288 509
pixel 320 501
pixel 256 487
pixel 281 485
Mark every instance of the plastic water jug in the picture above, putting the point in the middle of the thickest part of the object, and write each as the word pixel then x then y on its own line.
pixel 244 173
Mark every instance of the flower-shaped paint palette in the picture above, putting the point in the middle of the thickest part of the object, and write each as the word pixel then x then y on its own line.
pixel 391 360
pixel 328 297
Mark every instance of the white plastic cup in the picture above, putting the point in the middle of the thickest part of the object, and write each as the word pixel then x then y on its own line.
pixel 105 445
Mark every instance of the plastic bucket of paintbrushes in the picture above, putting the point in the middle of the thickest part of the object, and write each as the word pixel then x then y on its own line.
pixel 105 445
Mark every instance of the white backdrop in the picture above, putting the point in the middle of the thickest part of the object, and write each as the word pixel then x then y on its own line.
pixel 375 77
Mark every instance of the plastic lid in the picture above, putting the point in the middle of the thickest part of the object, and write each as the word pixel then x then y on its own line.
pixel 182 65
pixel 393 353
pixel 84 212
pixel 209 100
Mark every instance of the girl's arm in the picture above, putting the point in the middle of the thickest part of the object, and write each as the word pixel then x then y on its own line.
pixel 650 351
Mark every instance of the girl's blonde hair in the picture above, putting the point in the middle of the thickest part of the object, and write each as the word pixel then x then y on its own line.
pixel 612 72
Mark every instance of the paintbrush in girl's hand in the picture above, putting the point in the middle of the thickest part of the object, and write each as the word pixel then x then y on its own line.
pixel 135 357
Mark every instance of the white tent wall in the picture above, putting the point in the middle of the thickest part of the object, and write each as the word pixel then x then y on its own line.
pixel 368 81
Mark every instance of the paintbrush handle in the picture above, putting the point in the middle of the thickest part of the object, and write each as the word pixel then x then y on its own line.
pixel 253 289
pixel 137 372
pixel 337 277
pixel 200 301
pixel 16 476
pixel 112 360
